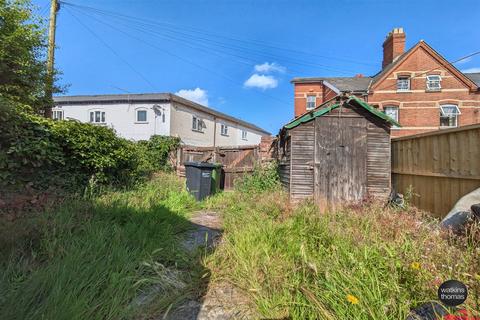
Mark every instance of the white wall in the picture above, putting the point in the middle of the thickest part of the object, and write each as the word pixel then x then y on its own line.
pixel 122 117
pixel 182 117
pixel 253 137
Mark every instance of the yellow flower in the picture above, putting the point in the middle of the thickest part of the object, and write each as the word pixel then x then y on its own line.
pixel 352 299
pixel 415 265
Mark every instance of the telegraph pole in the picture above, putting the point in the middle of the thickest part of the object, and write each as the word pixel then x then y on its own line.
pixel 54 7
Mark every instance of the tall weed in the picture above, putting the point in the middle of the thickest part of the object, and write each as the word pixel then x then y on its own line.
pixel 366 262
pixel 93 259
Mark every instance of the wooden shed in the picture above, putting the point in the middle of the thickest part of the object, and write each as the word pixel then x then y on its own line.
pixel 337 153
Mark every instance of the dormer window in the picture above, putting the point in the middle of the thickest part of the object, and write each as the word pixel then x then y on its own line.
pixel 403 84
pixel 434 83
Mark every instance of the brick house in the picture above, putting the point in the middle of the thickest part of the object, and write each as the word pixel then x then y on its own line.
pixel 418 88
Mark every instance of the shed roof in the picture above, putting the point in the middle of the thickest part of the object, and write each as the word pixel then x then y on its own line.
pixel 325 108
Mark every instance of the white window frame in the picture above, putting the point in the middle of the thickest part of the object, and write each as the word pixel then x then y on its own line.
pixel 197 124
pixel 403 88
pixel 434 84
pixel 451 116
pixel 93 116
pixel 57 114
pixel 397 112
pixel 223 129
pixel 137 120
pixel 244 135
pixel 311 104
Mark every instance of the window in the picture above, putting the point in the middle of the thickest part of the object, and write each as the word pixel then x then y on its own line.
pixel 403 84
pixel 141 115
pixel 392 112
pixel 97 116
pixel 433 83
pixel 311 101
pixel 449 115
pixel 57 114
pixel 197 124
pixel 244 135
pixel 224 130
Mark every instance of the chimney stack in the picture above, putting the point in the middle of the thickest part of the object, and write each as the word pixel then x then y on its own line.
pixel 393 46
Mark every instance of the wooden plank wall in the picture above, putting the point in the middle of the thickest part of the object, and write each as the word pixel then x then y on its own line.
pixel 302 157
pixel 340 159
pixel 236 161
pixel 441 166
pixel 378 161
pixel 284 164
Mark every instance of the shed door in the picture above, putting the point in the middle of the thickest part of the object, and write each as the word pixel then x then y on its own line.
pixel 340 172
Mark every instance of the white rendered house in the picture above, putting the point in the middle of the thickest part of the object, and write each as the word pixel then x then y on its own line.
pixel 139 116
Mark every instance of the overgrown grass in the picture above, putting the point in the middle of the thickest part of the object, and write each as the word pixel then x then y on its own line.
pixel 102 258
pixel 365 262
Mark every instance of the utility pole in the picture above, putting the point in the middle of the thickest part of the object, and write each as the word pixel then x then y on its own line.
pixel 54 7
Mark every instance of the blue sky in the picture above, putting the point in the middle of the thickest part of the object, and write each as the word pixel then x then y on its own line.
pixel 239 56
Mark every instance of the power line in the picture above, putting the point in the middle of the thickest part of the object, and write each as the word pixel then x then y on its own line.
pixel 163 50
pixel 196 30
pixel 227 46
pixel 111 49
pixel 242 59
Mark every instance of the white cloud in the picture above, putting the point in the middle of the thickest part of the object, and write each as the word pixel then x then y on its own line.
pixel 261 81
pixel 197 95
pixel 471 70
pixel 270 67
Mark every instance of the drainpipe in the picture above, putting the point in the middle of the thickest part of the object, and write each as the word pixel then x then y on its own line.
pixel 214 131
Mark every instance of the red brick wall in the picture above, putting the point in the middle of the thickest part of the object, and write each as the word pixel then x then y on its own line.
pixel 393 46
pixel 419 110
pixel 301 91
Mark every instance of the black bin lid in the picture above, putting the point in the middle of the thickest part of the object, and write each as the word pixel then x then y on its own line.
pixel 201 164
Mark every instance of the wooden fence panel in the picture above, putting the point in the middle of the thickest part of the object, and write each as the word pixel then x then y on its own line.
pixel 440 166
pixel 236 161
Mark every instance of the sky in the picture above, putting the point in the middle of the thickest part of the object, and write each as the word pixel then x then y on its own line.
pixel 238 56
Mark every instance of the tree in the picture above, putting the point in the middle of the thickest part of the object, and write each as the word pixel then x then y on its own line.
pixel 22 54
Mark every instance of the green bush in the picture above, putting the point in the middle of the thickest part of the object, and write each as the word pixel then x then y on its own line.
pixel 49 153
pixel 96 151
pixel 27 147
pixel 264 177
pixel 155 153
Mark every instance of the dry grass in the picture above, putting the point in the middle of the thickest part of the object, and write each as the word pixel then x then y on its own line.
pixel 299 263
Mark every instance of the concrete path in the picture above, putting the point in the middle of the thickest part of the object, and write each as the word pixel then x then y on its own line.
pixel 222 300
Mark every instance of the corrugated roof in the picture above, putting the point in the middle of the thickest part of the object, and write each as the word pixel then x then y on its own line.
pixel 475 77
pixel 343 84
pixel 152 97
pixel 324 109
